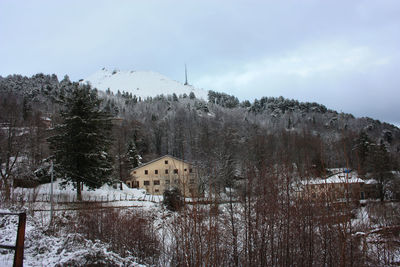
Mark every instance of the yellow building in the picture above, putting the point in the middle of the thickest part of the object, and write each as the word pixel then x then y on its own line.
pixel 164 173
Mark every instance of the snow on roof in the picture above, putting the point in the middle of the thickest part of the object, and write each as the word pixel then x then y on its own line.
pixel 336 170
pixel 371 181
pixel 45 118
pixel 335 179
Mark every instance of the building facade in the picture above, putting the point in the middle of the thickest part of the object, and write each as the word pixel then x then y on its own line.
pixel 165 173
pixel 338 187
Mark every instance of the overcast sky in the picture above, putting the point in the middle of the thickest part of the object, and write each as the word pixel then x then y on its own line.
pixel 343 54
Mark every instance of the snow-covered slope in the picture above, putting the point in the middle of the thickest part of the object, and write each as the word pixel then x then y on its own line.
pixel 140 83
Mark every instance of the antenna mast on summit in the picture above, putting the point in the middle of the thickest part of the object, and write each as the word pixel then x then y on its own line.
pixel 186 82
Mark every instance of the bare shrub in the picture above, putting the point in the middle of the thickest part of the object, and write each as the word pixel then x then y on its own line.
pixel 129 233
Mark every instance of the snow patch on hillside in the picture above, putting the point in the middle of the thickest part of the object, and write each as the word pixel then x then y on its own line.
pixel 140 83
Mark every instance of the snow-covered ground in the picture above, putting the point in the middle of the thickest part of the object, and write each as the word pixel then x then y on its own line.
pixel 377 226
pixel 66 248
pixel 67 193
pixel 42 249
pixel 140 83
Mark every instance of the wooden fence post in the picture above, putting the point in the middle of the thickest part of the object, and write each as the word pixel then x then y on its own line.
pixel 19 246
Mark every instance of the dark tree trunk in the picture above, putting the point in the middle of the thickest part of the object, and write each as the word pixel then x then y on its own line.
pixel 78 191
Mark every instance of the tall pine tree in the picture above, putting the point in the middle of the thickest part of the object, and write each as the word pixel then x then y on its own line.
pixel 132 155
pixel 82 140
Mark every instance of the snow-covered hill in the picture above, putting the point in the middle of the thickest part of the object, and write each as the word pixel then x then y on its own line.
pixel 140 83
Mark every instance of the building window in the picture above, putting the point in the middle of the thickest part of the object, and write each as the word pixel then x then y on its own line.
pixel 166 171
pixel 167 181
pixel 129 184
pixel 185 170
pixel 155 171
pixel 166 162
pixel 134 172
pixel 191 181
pixel 156 190
pixel 176 171
pixel 146 182
pixel 146 172
pixel 190 170
pixel 156 182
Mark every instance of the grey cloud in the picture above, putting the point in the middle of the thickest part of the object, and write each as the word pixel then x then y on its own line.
pixel 219 40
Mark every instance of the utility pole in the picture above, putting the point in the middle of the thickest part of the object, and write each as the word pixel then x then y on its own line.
pixel 186 82
pixel 51 192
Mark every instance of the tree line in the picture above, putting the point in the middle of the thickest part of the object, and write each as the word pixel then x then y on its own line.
pixel 219 133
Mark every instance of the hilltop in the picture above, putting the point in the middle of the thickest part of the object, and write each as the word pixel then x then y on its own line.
pixel 140 83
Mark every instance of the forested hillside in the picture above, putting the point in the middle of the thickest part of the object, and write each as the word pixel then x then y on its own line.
pixel 253 161
pixel 222 135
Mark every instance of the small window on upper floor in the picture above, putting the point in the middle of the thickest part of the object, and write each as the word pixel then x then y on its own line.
pixel 155 171
pixel 146 182
pixel 185 170
pixel 134 172
pixel 176 171
pixel 166 162
pixel 146 172
pixel 166 171
pixel 190 170
pixel 156 182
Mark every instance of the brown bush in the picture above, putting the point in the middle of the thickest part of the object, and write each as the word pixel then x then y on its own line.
pixel 129 233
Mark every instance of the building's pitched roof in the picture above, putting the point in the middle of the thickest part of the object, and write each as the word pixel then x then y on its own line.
pixel 371 181
pixel 154 160
pixel 335 179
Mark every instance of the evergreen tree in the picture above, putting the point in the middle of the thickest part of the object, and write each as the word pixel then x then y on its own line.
pixel 379 161
pixel 363 146
pixel 26 109
pixel 81 141
pixel 132 155
pixel 173 199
